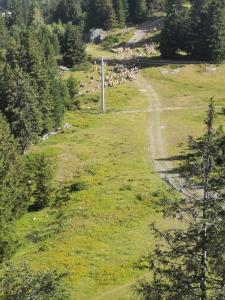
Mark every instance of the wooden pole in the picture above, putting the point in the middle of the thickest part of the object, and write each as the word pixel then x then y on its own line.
pixel 103 86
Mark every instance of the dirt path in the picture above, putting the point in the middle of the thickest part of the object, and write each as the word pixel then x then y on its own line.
pixel 113 291
pixel 156 145
pixel 161 109
pixel 145 28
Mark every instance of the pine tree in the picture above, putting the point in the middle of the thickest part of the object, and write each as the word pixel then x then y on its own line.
pixel 120 7
pixel 41 175
pixel 101 14
pixel 17 13
pixel 68 11
pixel 185 263
pixel 72 99
pixel 199 28
pixel 72 46
pixel 172 36
pixel 156 5
pixel 13 192
pixel 18 102
pixel 138 10
pixel 32 61
pixel 21 282
pixel 59 104
pixel 3 34
pixel 216 32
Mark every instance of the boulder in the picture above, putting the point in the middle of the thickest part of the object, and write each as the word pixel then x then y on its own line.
pixel 97 35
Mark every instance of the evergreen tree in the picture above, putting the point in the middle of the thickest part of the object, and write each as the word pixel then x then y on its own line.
pixel 216 32
pixel 138 10
pixel 173 34
pixel 59 104
pixel 18 102
pixel 72 88
pixel 41 176
pixel 186 264
pixel 13 192
pixel 72 46
pixel 22 283
pixel 101 14
pixel 156 5
pixel 33 62
pixel 68 11
pixel 199 28
pixel 17 13
pixel 120 7
pixel 3 34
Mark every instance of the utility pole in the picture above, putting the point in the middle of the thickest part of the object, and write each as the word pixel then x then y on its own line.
pixel 103 86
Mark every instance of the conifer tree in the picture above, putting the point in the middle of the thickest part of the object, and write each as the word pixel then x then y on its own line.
pixel 32 61
pixel 13 195
pixel 138 10
pixel 185 263
pixel 17 13
pixel 68 11
pixel 199 28
pixel 18 102
pixel 101 14
pixel 208 30
pixel 58 105
pixel 216 32
pixel 172 36
pixel 120 7
pixel 72 46
pixel 41 176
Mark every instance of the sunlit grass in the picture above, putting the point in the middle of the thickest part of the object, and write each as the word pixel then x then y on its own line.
pixel 186 95
pixel 100 234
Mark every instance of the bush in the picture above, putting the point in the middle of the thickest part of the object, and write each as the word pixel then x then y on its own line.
pixel 63 194
pixel 40 174
pixel 22 283
pixel 111 41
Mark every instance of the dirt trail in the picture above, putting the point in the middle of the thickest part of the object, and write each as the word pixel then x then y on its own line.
pixel 157 148
pixel 145 28
pixel 161 109
pixel 113 291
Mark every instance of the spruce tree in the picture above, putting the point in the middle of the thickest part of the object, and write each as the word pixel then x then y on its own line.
pixel 17 13
pixel 58 105
pixel 216 32
pixel 172 36
pixel 188 263
pixel 20 282
pixel 199 28
pixel 120 7
pixel 72 46
pixel 68 11
pixel 13 190
pixel 19 104
pixel 101 14
pixel 40 173
pixel 32 61
pixel 138 10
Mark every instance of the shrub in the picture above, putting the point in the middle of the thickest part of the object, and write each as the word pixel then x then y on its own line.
pixel 23 283
pixel 111 41
pixel 40 173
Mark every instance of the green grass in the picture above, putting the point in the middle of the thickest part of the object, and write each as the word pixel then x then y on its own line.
pixel 188 92
pixel 102 231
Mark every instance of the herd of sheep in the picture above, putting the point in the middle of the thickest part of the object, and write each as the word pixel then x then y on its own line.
pixel 114 76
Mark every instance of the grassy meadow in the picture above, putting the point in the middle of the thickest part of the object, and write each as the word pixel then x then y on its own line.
pixel 184 98
pixel 102 229
pixel 100 233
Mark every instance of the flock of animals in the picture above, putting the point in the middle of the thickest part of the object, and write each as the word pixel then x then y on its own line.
pixel 114 76
pixel 134 53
